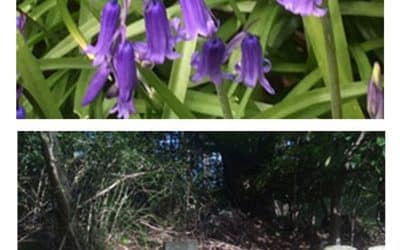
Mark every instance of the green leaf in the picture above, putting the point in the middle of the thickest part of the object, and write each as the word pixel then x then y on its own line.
pixel 362 8
pixel 362 61
pixel 65 63
pixel 165 94
pixel 308 82
pixel 70 24
pixel 39 10
pixel 301 102
pixel 80 90
pixel 180 74
pixel 317 31
pixel 34 81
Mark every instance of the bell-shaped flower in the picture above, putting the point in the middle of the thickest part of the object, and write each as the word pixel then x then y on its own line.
pixel 252 65
pixel 108 28
pixel 97 83
pixel 20 112
pixel 209 61
pixel 20 108
pixel 198 19
pixel 304 7
pixel 21 21
pixel 125 70
pixel 375 96
pixel 161 35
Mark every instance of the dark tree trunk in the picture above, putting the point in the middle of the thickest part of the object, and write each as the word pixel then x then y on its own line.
pixel 239 172
pixel 336 216
pixel 60 186
pixel 339 159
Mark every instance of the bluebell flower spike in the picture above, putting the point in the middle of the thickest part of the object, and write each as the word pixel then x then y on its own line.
pixel 125 70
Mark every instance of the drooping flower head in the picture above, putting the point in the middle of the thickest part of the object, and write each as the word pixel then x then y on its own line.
pixel 161 35
pixel 304 7
pixel 108 27
pixel 125 70
pixel 20 112
pixel 20 108
pixel 209 61
pixel 96 83
pixel 198 19
pixel 252 65
pixel 21 21
pixel 118 58
pixel 375 97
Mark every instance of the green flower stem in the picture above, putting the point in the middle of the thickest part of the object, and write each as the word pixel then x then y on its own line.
pixel 319 32
pixel 333 76
pixel 180 75
pixel 237 12
pixel 223 99
pixel 243 103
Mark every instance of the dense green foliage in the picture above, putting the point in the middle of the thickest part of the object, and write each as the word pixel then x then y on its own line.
pixel 141 189
pixel 313 60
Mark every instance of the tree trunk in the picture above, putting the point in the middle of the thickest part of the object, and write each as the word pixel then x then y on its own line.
pixel 336 196
pixel 59 184
pixel 336 220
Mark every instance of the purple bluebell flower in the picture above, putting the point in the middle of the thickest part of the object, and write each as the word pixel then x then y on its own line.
pixel 198 18
pixel 20 112
pixel 21 21
pixel 118 58
pixel 125 70
pixel 20 108
pixel 375 97
pixel 96 84
pixel 161 35
pixel 108 28
pixel 304 7
pixel 252 65
pixel 209 61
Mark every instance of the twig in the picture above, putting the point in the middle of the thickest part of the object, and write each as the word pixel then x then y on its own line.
pixel 121 204
pixel 158 229
pixel 23 238
pixel 62 242
pixel 111 187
